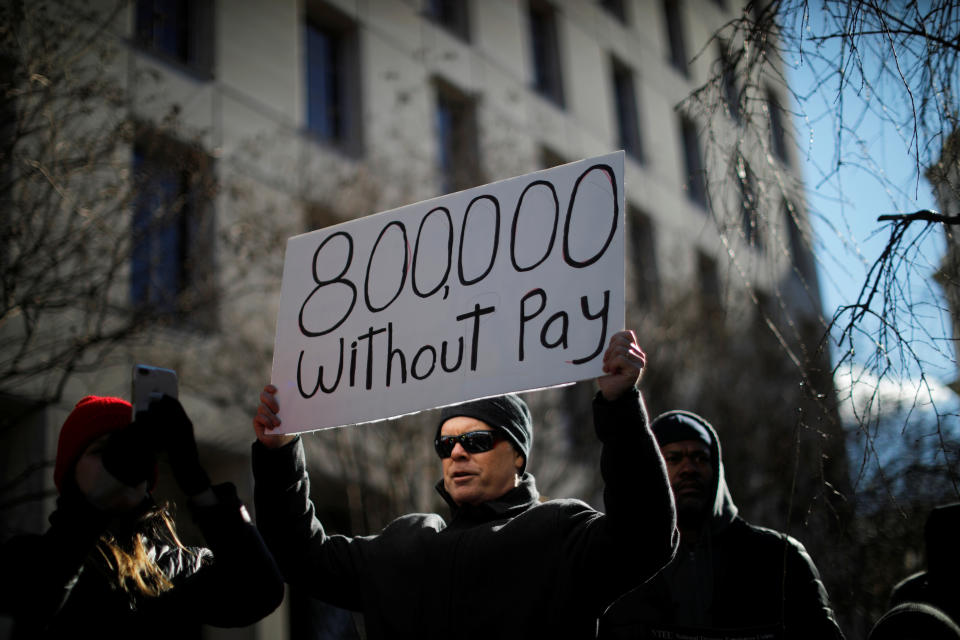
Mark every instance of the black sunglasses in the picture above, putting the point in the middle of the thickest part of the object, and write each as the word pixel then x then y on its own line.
pixel 472 442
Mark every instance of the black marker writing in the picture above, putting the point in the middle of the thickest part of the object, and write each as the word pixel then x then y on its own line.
pixel 366 351
pixel 559 322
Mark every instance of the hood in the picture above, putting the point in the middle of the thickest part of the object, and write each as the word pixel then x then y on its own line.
pixel 723 510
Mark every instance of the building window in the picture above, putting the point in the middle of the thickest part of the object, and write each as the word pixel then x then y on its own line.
pixel 171 271
pixel 547 75
pixel 749 203
pixel 778 136
pixel 763 14
pixel 693 162
pixel 452 15
pixel 643 257
pixel 317 216
pixel 625 99
pixel 179 31
pixel 616 8
pixel 800 250
pixel 760 32
pixel 728 78
pixel 333 84
pixel 456 129
pixel 708 280
pixel 678 48
pixel 551 158
pixel 764 315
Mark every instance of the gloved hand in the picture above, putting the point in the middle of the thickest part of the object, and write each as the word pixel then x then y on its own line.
pixel 129 455
pixel 173 432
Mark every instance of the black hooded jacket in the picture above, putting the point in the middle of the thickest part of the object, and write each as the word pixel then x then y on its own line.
pixel 756 582
pixel 513 567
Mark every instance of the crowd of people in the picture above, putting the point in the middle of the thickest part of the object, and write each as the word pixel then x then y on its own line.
pixel 669 557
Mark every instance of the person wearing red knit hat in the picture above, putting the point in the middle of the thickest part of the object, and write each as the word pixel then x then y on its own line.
pixel 111 563
pixel 93 417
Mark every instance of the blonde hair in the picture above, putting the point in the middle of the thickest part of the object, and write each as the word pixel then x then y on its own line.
pixel 127 561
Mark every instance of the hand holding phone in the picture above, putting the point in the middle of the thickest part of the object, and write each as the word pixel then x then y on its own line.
pixel 152 383
pixel 173 431
pixel 168 425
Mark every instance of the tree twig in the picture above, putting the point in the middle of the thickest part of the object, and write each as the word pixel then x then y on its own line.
pixel 924 215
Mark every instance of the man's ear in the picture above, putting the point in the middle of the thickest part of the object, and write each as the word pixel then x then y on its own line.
pixel 518 460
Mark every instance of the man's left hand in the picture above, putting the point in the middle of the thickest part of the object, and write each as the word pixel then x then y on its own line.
pixel 623 362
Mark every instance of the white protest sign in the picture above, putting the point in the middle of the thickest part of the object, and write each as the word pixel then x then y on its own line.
pixel 512 286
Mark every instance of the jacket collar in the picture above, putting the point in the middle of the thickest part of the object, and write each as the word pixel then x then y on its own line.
pixel 510 504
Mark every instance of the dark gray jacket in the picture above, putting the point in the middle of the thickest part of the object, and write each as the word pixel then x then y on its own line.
pixel 510 568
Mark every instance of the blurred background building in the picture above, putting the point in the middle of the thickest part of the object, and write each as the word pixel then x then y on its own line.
pixel 162 151
pixel 945 178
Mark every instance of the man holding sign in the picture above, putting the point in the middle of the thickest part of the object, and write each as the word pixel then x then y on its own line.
pixel 506 565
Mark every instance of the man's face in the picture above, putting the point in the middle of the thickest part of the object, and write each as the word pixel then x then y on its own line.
pixel 690 471
pixel 474 478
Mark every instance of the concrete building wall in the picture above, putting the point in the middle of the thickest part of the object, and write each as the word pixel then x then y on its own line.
pixel 276 180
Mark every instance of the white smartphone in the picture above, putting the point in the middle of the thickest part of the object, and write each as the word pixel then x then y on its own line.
pixel 151 383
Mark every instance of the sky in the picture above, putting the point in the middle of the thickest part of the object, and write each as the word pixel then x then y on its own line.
pixel 844 202
pixel 849 238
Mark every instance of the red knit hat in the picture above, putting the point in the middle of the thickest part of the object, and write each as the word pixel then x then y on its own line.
pixel 91 418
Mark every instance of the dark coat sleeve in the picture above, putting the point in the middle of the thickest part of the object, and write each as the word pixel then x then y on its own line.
pixel 40 571
pixel 807 607
pixel 636 536
pixel 326 567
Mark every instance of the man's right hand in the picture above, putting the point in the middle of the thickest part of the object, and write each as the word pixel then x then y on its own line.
pixel 266 420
